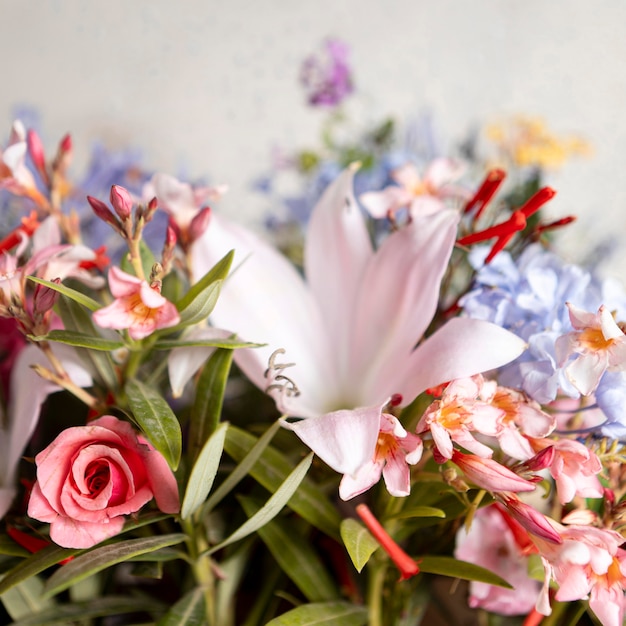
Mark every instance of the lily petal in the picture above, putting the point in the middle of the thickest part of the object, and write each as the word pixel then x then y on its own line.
pixel 459 349
pixel 344 440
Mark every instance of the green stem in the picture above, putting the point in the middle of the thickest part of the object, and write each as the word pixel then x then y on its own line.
pixel 375 588
pixel 201 567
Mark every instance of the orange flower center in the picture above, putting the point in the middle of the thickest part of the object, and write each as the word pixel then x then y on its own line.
pixel 453 416
pixel 386 445
pixel 593 339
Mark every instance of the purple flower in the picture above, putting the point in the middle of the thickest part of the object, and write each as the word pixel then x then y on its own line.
pixel 327 77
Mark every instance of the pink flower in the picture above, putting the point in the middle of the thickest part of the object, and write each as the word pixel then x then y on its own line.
pixel 14 174
pixel 587 564
pixel 423 195
pixel 189 216
pixel 462 410
pixel 491 543
pixel 139 307
pixel 574 468
pixel 91 476
pixel 520 416
pixel 597 345
pixel 396 450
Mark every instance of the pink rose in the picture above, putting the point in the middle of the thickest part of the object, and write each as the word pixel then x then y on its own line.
pixel 90 477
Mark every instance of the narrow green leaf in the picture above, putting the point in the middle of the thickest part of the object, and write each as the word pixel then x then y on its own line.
pixel 295 555
pixel 77 319
pixel 99 559
pixel 77 296
pixel 358 541
pixel 323 614
pixel 156 419
pixel 449 566
pixel 188 611
pixel 208 401
pixel 25 598
pixel 34 564
pixel 226 342
pixel 78 612
pixel 272 468
pixel 203 472
pixel 10 548
pixel 272 507
pixel 79 340
pixel 201 306
pixel 418 511
pixel 241 471
pixel 218 272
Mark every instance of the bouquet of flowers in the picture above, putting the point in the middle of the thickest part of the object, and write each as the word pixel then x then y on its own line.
pixel 205 432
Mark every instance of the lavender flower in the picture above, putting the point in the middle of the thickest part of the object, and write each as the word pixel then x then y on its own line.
pixel 327 77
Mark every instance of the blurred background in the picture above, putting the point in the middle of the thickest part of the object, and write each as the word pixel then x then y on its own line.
pixel 209 90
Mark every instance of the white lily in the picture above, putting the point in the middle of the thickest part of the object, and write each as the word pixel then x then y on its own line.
pixel 352 327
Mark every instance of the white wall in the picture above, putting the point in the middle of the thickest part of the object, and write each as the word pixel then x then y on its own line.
pixel 211 86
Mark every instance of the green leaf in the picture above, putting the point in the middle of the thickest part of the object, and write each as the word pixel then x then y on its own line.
pixel 241 471
pixel 203 472
pixel 272 468
pixel 323 614
pixel 226 342
pixel 188 611
pixel 78 612
pixel 25 598
pixel 10 548
pixel 272 507
pixel 77 296
pixel 34 564
pixel 76 318
pixel 208 401
pixel 156 419
pixel 418 511
pixel 449 566
pixel 201 306
pixel 80 340
pixel 295 555
pixel 99 559
pixel 358 541
pixel 218 272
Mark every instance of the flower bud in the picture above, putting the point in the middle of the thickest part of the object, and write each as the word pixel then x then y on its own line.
pixel 36 151
pixel 199 224
pixel 45 297
pixel 122 202
pixel 103 212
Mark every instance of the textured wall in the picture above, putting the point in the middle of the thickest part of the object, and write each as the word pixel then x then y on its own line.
pixel 210 86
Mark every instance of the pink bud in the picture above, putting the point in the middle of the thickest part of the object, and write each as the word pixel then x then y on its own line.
pixel 534 522
pixel 45 297
pixel 489 474
pixel 103 212
pixel 540 461
pixel 36 151
pixel 199 224
pixel 170 237
pixel 122 202
pixel 65 144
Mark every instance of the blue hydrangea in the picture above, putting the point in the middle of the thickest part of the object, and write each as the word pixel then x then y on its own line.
pixel 528 297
